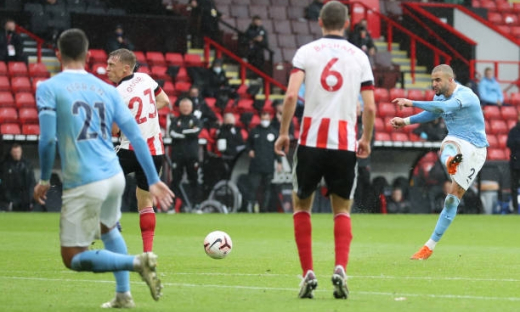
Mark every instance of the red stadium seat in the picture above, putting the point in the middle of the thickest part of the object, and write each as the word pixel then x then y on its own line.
pixel 24 99
pixel 415 95
pixel 502 140
pixel 3 69
pixel 35 82
pixel 510 19
pixel 17 69
pixel 492 140
pixel 21 84
pixel 174 59
pixel 97 56
pixel 397 93
pixel 491 112
pixel 496 154
pixel 144 70
pixel 428 95
pixel 39 70
pixel 382 136
pixel 255 121
pixel 28 115
pixel 379 124
pixel 211 102
pixel 509 112
pixel 405 112
pixel 5 85
pixel 245 106
pixel 245 134
pixel 515 99
pixel 388 125
pixel 181 87
pixel 386 110
pixel 488 4
pixel 168 88
pixel 511 124
pixel 31 129
pixel 8 115
pixel 399 137
pixel 99 70
pixel 381 95
pixel 182 75
pixel 193 60
pixel 159 72
pixel 495 18
pixel 140 57
pixel 155 58
pixel 6 99
pixel 10 128
pixel 163 116
pixel 498 127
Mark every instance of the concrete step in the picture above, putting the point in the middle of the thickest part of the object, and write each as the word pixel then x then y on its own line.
pixel 418 69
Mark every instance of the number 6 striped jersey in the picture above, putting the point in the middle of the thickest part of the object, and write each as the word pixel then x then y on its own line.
pixel 335 72
pixel 138 91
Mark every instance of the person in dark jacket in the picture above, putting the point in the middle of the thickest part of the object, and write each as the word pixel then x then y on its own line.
pixel 118 40
pixel 184 131
pixel 17 181
pixel 229 142
pixel 257 40
pixel 312 11
pixel 513 143
pixel 11 44
pixel 203 21
pixel 201 109
pixel 216 82
pixel 260 146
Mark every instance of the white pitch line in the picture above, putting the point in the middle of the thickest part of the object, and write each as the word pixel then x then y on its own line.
pixel 367 293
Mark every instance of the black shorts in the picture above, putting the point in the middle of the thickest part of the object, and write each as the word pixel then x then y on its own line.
pixel 129 163
pixel 337 167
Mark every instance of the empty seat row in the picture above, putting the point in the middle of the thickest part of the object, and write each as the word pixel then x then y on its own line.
pixel 24 115
pixel 19 84
pixel 153 58
pixel 385 95
pixel 14 128
pixel 292 3
pixel 498 5
pixel 15 69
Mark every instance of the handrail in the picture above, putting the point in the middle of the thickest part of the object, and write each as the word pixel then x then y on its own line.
pixel 496 68
pixel 39 42
pixel 243 66
pixel 413 38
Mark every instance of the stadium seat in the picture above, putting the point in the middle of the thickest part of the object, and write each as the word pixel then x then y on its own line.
pixel 35 81
pixel 31 129
pixel 495 18
pixel 510 19
pixel 163 116
pixel 277 13
pixel 288 54
pixel 488 4
pixel 280 2
pixel 5 85
pixel 515 99
pixel 245 106
pixel 303 39
pixel 509 113
pixel 174 59
pixel 416 95
pixel 3 69
pixel 381 95
pixel 8 114
pixel 492 140
pixel 382 136
pixel 286 41
pixel 296 13
pixel 388 125
pixel 21 84
pixel 168 88
pixel 28 115
pixel 258 10
pixel 239 11
pixel 181 87
pixel 505 29
pixel 6 99
pixel 39 70
pixel 491 112
pixel 403 113
pixel 255 121
pixel 298 3
pixel 498 127
pixel 144 70
pixel 399 137
pixel 475 3
pixel 515 31
pixel 182 75
pixel 397 93
pixel 140 57
pixel 159 72
pixel 16 69
pixel 386 110
pixel 496 154
pixel 429 94
pixel 511 124
pixel 379 124
pixel 283 27
pixel 99 69
pixel 502 140
pixel 193 60
pixel 154 58
pixel 211 102
pixel 10 128
pixel 98 56
pixel 24 99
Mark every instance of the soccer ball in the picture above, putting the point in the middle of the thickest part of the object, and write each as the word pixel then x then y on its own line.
pixel 217 244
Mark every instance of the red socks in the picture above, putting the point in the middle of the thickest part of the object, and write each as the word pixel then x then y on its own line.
pixel 147 223
pixel 342 238
pixel 303 236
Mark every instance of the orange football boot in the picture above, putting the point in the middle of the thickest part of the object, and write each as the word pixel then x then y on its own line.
pixel 453 162
pixel 423 254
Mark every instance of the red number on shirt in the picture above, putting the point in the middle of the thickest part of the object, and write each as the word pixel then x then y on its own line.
pixel 327 72
pixel 140 119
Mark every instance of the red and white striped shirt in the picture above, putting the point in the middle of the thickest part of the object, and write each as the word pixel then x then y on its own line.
pixel 139 91
pixel 335 73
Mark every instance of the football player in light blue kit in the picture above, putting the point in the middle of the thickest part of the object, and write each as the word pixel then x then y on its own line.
pixel 78 110
pixel 464 149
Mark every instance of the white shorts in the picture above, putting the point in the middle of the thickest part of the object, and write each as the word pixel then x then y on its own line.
pixel 473 158
pixel 86 206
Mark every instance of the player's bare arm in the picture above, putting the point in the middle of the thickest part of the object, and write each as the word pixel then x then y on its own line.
pixel 369 114
pixel 281 146
pixel 115 129
pixel 161 100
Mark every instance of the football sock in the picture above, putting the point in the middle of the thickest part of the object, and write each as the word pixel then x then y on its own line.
pixel 99 261
pixel 447 215
pixel 303 236
pixel 147 223
pixel 342 238
pixel 449 150
pixel 114 242
pixel 431 244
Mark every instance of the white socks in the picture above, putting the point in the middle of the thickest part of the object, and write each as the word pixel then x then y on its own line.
pixel 430 244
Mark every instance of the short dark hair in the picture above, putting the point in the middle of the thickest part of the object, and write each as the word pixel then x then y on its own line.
pixel 73 44
pixel 333 15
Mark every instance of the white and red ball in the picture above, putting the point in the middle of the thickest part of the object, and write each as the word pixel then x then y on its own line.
pixel 218 244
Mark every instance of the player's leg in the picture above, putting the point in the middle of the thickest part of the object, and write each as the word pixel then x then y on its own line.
pixel 341 178
pixel 192 173
pixel 147 220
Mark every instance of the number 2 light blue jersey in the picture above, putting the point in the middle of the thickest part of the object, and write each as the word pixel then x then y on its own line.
pixel 78 109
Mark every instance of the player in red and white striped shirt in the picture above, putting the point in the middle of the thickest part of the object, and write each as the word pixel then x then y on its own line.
pixel 144 97
pixel 334 72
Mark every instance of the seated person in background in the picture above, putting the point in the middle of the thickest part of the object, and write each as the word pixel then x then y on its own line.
pixel 257 40
pixel 11 44
pixel 312 11
pixel 396 203
pixel 363 40
pixel 489 89
pixel 473 84
pixel 434 130
pixel 118 40
pixel 216 80
pixel 201 109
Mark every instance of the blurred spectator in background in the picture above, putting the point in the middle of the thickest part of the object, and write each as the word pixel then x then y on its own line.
pixel 434 130
pixel 362 39
pixel 203 22
pixel 216 82
pixel 260 145
pixel 229 142
pixel 118 40
pixel 16 181
pixel 184 131
pixel 312 11
pixel 277 119
pixel 489 89
pixel 201 110
pixel 397 203
pixel 513 143
pixel 473 83
pixel 256 36
pixel 11 44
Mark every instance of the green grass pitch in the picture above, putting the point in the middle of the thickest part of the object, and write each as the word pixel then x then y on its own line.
pixel 476 267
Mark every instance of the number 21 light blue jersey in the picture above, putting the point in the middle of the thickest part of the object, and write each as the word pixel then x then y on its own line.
pixel 85 108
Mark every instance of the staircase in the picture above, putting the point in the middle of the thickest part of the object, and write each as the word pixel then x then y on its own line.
pixel 48 55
